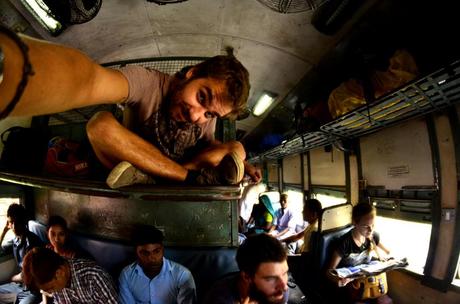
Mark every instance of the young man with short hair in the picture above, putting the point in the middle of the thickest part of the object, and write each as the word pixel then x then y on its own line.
pixel 69 281
pixel 172 136
pixel 24 240
pixel 262 278
pixel 152 278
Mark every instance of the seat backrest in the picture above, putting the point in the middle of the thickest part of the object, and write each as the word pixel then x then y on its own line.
pixel 205 264
pixel 334 222
pixel 323 244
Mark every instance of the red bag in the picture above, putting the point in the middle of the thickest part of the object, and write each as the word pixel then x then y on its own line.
pixel 66 158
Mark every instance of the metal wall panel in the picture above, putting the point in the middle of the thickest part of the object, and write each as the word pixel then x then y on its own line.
pixel 185 220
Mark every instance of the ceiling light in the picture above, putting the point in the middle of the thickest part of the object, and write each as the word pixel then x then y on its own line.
pixel 42 13
pixel 263 103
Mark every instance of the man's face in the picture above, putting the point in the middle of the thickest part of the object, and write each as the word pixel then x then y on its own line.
pixel 57 236
pixel 284 202
pixel 309 215
pixel 58 283
pixel 150 257
pixel 270 282
pixel 365 226
pixel 199 100
pixel 18 230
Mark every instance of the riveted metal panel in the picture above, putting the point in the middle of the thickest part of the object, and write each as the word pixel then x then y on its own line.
pixel 187 221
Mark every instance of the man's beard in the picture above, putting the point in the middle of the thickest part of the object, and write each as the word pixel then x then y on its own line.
pixel 260 297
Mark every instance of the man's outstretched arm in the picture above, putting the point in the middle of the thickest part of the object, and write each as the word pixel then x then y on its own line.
pixel 63 78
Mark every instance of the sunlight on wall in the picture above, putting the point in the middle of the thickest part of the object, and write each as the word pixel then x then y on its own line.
pixel 295 201
pixel 405 239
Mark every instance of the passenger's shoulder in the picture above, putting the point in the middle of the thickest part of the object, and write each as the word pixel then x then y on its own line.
pixel 176 267
pixel 136 71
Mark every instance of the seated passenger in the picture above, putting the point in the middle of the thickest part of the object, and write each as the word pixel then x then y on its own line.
pixel 262 216
pixel 311 212
pixel 153 278
pixel 59 238
pixel 24 240
pixel 263 275
pixel 69 281
pixel 285 220
pixel 358 246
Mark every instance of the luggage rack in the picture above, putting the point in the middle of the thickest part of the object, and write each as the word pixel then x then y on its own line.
pixel 434 92
pixel 299 144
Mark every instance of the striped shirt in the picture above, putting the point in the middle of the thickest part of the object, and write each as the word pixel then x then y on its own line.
pixel 89 283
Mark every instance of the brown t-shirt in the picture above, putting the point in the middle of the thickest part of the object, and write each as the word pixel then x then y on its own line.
pixel 148 93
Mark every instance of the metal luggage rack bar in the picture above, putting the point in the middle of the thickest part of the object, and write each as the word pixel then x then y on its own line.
pixel 299 144
pixel 431 93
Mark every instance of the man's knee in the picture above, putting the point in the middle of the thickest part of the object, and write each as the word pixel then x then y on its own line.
pixel 237 147
pixel 99 124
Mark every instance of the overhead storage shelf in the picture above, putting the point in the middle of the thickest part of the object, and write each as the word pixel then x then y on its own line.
pixel 299 144
pixel 432 93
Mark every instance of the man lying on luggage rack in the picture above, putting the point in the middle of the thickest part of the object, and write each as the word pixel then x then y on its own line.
pixel 175 116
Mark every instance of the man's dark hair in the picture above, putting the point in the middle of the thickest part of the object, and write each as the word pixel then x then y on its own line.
pixel 56 220
pixel 143 235
pixel 18 215
pixel 313 205
pixel 361 210
pixel 235 76
pixel 258 249
pixel 40 265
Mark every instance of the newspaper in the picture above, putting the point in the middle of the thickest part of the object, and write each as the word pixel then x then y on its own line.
pixel 373 268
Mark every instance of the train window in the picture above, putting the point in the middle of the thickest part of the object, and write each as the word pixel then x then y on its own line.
pixel 329 200
pixel 5 202
pixel 329 196
pixel 456 280
pixel 406 239
pixel 295 201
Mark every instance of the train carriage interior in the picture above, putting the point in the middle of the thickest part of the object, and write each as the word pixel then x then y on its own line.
pixel 363 106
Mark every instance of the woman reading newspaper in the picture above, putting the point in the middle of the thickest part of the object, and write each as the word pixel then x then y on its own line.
pixel 358 247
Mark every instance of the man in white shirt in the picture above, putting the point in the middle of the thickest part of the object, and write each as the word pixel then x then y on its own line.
pixel 285 221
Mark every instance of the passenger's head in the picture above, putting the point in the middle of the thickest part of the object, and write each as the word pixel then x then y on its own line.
pixel 44 269
pixel 284 200
pixel 57 231
pixel 16 217
pixel 311 210
pixel 265 201
pixel 363 218
pixel 148 241
pixel 216 87
pixel 262 261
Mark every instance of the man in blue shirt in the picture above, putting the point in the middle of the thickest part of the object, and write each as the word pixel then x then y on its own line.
pixel 153 278
pixel 23 241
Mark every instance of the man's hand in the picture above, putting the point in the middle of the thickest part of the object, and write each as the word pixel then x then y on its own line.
pixel 341 282
pixel 253 172
pixel 17 278
pixel 5 230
